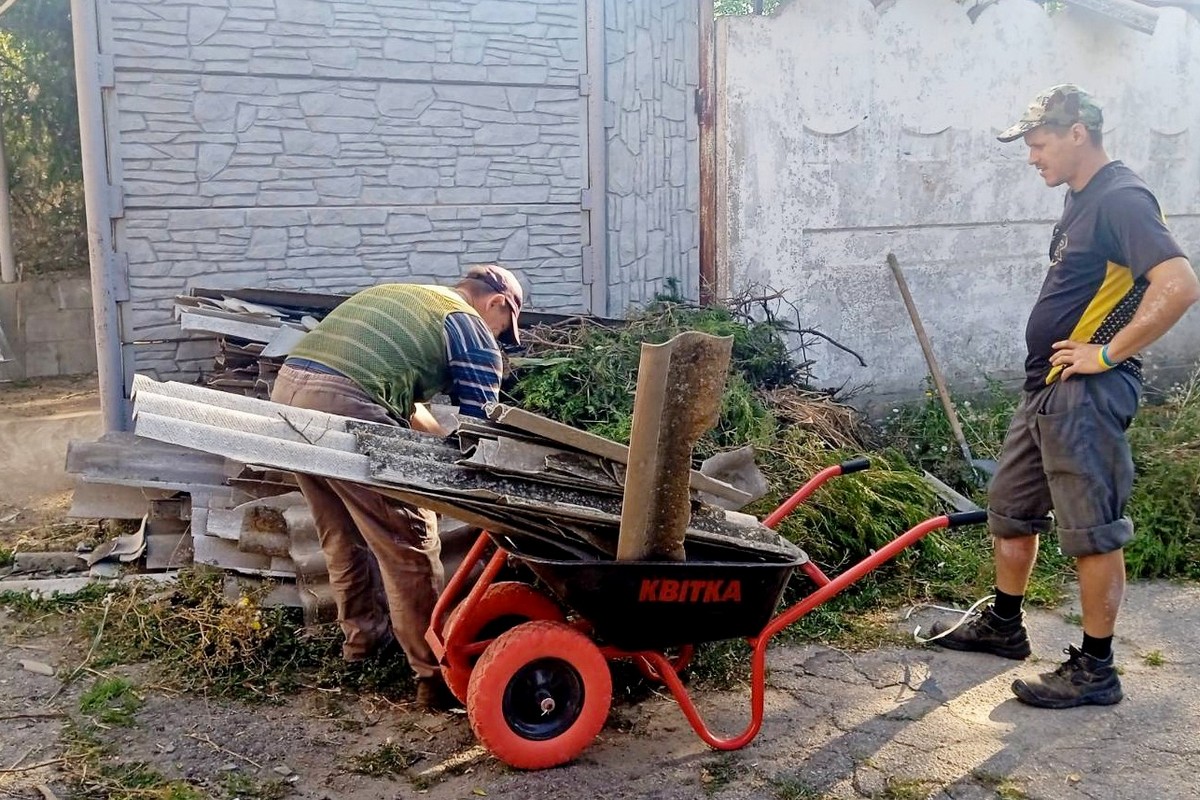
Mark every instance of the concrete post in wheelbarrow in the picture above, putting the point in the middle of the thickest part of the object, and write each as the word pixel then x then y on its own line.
pixel 679 390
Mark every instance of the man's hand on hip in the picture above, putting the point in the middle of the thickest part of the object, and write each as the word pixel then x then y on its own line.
pixel 1077 358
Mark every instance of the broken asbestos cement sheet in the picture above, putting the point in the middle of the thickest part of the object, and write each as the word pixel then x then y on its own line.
pixel 419 469
pixel 680 386
pixel 597 445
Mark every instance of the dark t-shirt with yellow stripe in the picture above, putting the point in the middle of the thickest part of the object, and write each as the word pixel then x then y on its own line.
pixel 1112 233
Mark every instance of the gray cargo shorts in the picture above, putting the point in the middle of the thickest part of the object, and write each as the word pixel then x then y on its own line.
pixel 1066 451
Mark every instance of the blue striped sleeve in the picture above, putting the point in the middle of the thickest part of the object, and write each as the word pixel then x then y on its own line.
pixel 476 368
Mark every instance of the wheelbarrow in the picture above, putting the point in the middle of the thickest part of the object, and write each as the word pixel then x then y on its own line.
pixel 531 662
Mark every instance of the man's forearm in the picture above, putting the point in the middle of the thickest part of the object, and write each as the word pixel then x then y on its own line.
pixel 423 420
pixel 1165 301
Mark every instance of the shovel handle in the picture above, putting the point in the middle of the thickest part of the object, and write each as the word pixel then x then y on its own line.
pixel 854 465
pixel 927 349
pixel 966 518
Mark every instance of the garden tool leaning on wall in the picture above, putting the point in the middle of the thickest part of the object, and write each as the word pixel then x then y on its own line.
pixel 982 468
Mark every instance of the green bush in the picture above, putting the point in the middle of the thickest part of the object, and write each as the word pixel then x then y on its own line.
pixel 41 130
pixel 586 375
pixel 1165 505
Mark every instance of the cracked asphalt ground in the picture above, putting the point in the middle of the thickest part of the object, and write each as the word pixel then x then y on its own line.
pixel 892 723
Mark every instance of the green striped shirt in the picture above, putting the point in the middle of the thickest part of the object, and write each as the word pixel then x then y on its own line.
pixel 390 340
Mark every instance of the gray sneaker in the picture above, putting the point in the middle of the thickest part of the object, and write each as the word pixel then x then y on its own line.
pixel 986 633
pixel 1079 681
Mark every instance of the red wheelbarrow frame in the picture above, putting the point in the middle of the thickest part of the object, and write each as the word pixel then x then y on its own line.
pixel 660 666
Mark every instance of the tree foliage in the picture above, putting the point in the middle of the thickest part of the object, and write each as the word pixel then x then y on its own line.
pixel 41 135
pixel 745 6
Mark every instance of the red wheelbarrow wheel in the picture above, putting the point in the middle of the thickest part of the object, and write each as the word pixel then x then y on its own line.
pixel 502 607
pixel 539 695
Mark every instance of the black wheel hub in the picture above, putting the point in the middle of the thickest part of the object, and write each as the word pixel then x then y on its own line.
pixel 543 699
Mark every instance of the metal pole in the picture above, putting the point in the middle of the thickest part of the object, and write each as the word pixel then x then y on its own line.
pixel 597 149
pixel 109 364
pixel 8 261
pixel 709 290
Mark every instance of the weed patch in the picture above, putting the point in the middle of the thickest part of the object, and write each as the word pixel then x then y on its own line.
pixel 1004 787
pixel 1166 494
pixel 203 643
pixel 236 786
pixel 389 759
pixel 1166 491
pixel 32 604
pixel 1008 790
pixel 719 773
pixel 92 772
pixel 906 789
pixel 110 701
pixel 791 788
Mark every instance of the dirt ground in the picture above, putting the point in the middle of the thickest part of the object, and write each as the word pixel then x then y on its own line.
pixel 37 420
pixel 893 723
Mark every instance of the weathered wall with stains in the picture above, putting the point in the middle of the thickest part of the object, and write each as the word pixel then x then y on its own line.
pixel 850 132
pixel 329 145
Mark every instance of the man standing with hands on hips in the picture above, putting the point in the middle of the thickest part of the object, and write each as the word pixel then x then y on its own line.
pixel 1117 282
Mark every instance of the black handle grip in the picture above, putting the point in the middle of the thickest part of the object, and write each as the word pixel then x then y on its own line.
pixel 966 518
pixel 855 465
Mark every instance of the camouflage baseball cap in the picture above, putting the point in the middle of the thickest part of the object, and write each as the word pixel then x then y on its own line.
pixel 1064 104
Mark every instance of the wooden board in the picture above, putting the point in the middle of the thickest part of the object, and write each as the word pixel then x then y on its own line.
pixel 597 445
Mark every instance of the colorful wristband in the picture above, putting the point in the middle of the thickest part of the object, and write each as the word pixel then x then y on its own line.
pixel 1104 362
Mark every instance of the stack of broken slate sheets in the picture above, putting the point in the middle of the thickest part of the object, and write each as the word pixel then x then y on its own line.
pixel 518 473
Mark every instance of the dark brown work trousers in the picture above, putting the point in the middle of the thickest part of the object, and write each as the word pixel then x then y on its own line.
pixel 355 523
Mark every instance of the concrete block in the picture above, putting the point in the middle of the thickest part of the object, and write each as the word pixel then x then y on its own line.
pixel 59 326
pixel 36 296
pixel 41 359
pixel 73 293
pixel 13 370
pixel 48 562
pixel 78 357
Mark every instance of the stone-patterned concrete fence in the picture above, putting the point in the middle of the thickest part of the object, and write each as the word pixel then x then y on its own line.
pixel 332 144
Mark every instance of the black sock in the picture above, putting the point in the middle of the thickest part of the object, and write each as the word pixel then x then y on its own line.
pixel 1098 647
pixel 1007 606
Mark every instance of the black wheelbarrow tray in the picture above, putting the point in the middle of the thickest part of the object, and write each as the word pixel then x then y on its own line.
pixel 531 662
